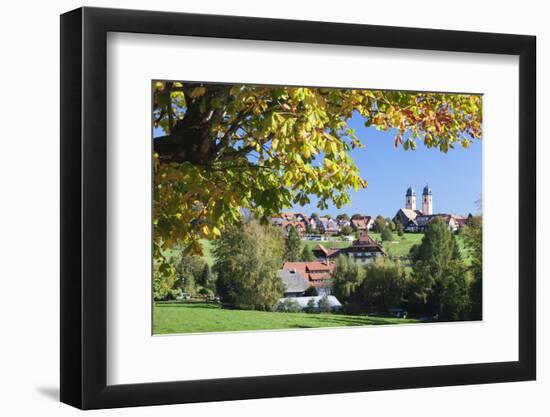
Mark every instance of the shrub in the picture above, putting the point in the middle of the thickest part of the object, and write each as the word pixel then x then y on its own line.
pixel 324 305
pixel 288 305
pixel 399 228
pixel 206 292
pixel 346 230
pixel 386 235
pixel 311 306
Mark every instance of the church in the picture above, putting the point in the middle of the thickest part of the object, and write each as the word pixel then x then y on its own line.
pixel 414 220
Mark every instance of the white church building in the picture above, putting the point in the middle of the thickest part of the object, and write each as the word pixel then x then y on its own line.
pixel 414 220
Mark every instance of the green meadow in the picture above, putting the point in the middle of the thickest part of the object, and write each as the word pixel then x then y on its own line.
pixel 191 317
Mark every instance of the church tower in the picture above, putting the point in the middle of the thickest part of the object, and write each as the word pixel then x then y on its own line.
pixel 410 199
pixel 427 207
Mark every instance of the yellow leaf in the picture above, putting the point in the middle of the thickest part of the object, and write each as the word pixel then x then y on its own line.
pixel 197 92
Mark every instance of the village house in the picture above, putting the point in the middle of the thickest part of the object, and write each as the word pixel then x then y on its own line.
pixel 316 274
pixel 328 226
pixel 287 221
pixel 323 253
pixel 362 224
pixel 364 250
pixel 299 217
pixel 422 222
pixel 343 223
pixel 294 282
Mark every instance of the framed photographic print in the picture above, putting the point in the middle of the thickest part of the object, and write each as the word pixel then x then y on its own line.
pixel 258 208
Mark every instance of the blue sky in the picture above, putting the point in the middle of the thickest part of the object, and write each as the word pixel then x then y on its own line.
pixel 455 177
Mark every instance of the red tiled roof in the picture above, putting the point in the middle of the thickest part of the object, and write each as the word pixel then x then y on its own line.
pixel 461 220
pixel 361 222
pixel 297 225
pixel 289 216
pixel 316 272
pixel 365 240
pixel 328 252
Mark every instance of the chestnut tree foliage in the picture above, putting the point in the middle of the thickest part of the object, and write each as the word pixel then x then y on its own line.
pixel 225 149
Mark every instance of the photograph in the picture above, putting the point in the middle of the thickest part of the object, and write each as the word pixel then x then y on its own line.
pixel 293 207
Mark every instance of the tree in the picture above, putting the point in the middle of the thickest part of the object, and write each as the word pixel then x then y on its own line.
pixel 207 279
pixel 225 148
pixel 384 284
pixel 356 216
pixel 390 224
pixel 293 247
pixel 247 258
pixel 189 270
pixel 379 224
pixel 323 305
pixel 307 254
pixel 348 276
pixel 472 233
pixel 315 216
pixel 399 228
pixel 346 230
pixel 439 283
pixel 438 245
pixel 342 216
pixel 386 235
pixel 455 293
pixel 413 251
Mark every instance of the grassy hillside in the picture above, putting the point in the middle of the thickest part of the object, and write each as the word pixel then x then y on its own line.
pixel 207 248
pixel 400 245
pixel 173 317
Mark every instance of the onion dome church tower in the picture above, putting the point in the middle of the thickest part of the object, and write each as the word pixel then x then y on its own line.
pixel 427 206
pixel 410 199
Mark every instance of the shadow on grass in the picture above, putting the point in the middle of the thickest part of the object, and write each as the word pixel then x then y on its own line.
pixel 353 321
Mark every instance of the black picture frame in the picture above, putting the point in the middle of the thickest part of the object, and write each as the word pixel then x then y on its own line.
pixel 84 207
